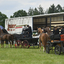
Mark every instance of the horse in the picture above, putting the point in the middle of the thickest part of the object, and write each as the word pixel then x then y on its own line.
pixel 5 36
pixel 10 37
pixel 44 37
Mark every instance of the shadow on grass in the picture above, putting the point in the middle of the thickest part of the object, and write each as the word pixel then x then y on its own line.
pixel 53 52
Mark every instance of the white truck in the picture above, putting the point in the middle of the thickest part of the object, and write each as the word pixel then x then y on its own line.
pixel 15 25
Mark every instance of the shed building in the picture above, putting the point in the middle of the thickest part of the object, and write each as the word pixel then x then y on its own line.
pixel 50 20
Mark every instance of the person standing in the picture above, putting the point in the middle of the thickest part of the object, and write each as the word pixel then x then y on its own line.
pixel 62 30
pixel 24 29
pixel 55 30
pixel 29 31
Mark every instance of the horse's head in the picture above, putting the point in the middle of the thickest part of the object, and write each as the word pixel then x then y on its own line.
pixel 1 31
pixel 47 29
pixel 39 30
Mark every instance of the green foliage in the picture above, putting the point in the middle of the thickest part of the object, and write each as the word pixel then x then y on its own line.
pixel 40 9
pixel 2 19
pixel 19 13
pixel 30 11
pixel 52 9
pixel 58 8
pixel 35 11
pixel 55 9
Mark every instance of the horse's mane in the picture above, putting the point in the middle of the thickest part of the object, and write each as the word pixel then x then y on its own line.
pixel 4 31
pixel 1 32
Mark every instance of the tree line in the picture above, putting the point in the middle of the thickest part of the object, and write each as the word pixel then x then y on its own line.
pixel 36 11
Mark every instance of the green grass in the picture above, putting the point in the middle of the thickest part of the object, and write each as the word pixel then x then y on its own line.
pixel 28 56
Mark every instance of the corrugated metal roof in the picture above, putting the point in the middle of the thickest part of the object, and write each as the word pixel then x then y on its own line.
pixel 50 14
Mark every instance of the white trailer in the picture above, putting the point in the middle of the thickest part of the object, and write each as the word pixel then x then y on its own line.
pixel 15 25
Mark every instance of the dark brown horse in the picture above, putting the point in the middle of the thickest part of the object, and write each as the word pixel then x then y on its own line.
pixel 5 37
pixel 43 37
pixel 2 38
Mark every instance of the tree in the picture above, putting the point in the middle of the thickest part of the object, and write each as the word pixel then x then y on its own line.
pixel 58 8
pixel 30 11
pixel 52 9
pixel 2 19
pixel 40 10
pixel 35 12
pixel 19 13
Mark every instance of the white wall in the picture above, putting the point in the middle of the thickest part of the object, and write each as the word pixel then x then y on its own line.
pixel 20 21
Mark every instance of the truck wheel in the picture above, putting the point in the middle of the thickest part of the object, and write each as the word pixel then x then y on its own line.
pixel 26 44
pixel 57 49
pixel 47 49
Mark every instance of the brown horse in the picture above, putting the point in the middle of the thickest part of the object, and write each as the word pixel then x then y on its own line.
pixel 2 38
pixel 5 37
pixel 43 37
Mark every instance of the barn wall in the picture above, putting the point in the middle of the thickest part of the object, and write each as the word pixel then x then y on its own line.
pixel 50 21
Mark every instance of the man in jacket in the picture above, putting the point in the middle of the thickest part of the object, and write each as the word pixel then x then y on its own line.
pixel 62 30
pixel 29 31
pixel 55 30
pixel 24 29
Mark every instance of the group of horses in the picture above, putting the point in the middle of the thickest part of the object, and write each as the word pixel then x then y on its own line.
pixel 44 37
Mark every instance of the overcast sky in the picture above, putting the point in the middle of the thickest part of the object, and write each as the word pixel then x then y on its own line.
pixel 8 7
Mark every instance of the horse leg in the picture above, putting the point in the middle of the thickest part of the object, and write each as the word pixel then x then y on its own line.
pixel 6 43
pixel 2 44
pixel 44 48
pixel 10 44
pixel 40 45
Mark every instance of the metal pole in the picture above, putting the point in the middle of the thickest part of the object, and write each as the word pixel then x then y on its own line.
pixel 50 22
pixel 63 18
pixel 32 24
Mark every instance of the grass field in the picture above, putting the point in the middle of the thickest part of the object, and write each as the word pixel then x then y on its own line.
pixel 28 56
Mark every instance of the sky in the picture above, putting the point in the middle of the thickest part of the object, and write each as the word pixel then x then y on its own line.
pixel 8 7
